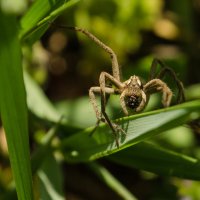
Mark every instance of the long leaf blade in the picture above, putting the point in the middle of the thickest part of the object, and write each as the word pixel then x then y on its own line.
pixel 13 106
pixel 151 157
pixel 37 12
pixel 111 181
pixel 82 147
pixel 36 21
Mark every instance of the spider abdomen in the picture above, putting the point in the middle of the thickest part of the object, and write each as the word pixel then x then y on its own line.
pixel 133 101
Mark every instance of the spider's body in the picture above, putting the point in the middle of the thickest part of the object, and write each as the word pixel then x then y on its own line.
pixel 132 95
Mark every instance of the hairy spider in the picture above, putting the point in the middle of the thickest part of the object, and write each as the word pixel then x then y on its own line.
pixel 134 95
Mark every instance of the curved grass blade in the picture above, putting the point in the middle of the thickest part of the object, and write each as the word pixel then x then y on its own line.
pixel 36 21
pixel 38 11
pixel 82 147
pixel 111 181
pixel 44 150
pixel 151 157
pixel 51 179
pixel 13 106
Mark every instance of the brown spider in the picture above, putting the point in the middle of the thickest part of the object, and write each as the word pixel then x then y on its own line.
pixel 133 94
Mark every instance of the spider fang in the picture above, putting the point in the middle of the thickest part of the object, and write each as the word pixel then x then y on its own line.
pixel 133 101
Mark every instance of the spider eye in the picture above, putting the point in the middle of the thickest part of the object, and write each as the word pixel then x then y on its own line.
pixel 133 101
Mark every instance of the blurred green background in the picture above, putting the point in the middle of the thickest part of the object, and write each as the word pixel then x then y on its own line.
pixel 66 64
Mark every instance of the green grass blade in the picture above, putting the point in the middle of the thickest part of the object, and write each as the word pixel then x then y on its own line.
pixel 158 160
pixel 82 147
pixel 51 179
pixel 111 181
pixel 58 11
pixel 38 11
pixel 35 22
pixel 44 149
pixel 13 106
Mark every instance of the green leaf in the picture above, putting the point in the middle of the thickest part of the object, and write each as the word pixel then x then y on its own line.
pixel 45 148
pixel 36 21
pixel 158 160
pixel 42 107
pixel 37 101
pixel 37 12
pixel 51 180
pixel 82 147
pixel 13 106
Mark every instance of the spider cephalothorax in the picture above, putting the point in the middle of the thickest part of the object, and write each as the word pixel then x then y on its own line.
pixel 133 94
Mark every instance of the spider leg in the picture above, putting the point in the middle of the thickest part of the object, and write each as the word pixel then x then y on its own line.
pixel 103 110
pixel 157 85
pixel 164 70
pixel 99 114
pixel 104 76
pixel 179 84
pixel 153 67
pixel 115 66
pixel 93 101
pixel 115 127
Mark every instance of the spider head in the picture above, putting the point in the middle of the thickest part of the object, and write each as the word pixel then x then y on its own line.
pixel 133 82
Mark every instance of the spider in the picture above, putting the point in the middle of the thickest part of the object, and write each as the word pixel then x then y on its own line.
pixel 134 95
